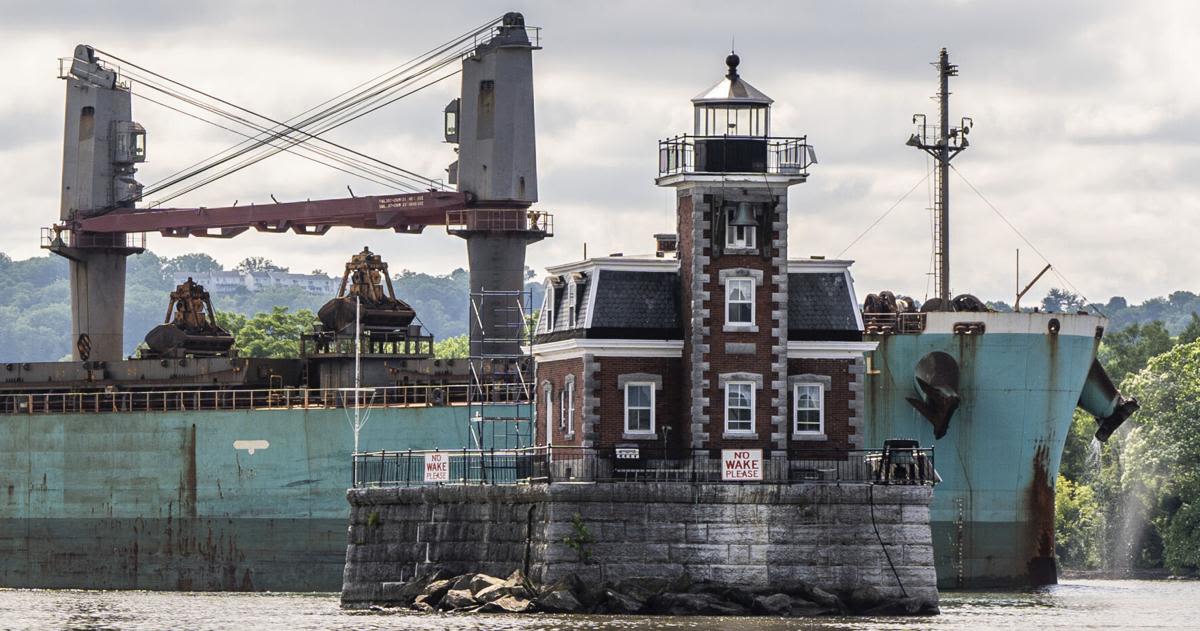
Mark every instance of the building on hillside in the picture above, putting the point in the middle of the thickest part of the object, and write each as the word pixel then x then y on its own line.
pixel 227 281
pixel 718 341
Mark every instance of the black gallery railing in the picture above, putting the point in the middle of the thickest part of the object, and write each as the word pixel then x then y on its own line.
pixel 907 465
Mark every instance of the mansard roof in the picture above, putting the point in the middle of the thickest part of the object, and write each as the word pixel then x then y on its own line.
pixel 640 298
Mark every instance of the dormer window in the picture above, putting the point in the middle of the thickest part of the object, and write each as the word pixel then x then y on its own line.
pixel 547 315
pixel 571 302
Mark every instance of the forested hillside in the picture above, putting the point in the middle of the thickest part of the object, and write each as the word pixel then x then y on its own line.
pixel 35 311
pixel 37 320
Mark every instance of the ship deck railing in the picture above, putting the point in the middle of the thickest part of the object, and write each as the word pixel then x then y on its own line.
pixel 572 464
pixel 281 398
pixel 893 323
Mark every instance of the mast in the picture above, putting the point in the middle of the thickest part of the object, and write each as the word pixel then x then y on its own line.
pixel 942 143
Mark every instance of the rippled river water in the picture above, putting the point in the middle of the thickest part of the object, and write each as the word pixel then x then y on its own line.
pixel 1082 604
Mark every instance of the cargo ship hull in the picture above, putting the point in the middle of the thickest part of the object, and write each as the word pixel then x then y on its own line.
pixel 199 500
pixel 1019 384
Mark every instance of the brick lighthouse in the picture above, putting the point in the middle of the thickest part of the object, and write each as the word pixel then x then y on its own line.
pixel 717 341
pixel 731 181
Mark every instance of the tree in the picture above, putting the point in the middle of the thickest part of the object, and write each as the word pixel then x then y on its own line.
pixel 253 264
pixel 1191 332
pixel 1161 464
pixel 1077 525
pixel 232 322
pixel 1061 301
pixel 196 262
pixel 1127 351
pixel 457 347
pixel 275 334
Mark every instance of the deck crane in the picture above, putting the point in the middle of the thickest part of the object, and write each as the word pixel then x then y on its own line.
pixel 495 175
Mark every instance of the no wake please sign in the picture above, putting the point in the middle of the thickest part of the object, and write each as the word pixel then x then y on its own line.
pixel 741 465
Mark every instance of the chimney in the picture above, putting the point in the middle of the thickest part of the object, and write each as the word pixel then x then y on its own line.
pixel 664 243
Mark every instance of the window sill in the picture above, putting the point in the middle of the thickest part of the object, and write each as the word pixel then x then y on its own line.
pixel 740 328
pixel 733 250
pixel 742 435
pixel 639 436
pixel 809 436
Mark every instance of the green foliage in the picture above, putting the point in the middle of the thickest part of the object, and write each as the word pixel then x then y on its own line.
pixel 1127 351
pixel 252 264
pixel 579 539
pixel 1161 465
pixel 1191 332
pixel 1078 460
pixel 1062 301
pixel 275 334
pixel 197 262
pixel 1078 523
pixel 457 347
pixel 231 321
pixel 1183 538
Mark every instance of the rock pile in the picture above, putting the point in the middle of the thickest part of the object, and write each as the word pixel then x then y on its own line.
pixel 440 590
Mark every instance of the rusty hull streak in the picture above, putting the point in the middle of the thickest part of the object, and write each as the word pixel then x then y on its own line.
pixel 1042 567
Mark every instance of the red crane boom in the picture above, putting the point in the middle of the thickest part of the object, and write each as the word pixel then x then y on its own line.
pixel 409 212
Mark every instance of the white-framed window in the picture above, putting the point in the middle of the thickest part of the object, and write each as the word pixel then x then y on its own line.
pixel 562 410
pixel 548 390
pixel 547 315
pixel 739 301
pixel 571 305
pixel 741 237
pixel 739 407
pixel 639 408
pixel 570 407
pixel 808 408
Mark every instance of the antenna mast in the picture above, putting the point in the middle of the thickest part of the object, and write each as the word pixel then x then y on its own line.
pixel 943 142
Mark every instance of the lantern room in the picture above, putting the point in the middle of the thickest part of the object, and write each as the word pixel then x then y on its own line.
pixel 731 135
pixel 733 107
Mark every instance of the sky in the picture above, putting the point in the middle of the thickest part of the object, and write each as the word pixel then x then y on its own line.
pixel 1086 137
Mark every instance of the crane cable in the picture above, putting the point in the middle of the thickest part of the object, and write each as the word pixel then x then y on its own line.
pixel 359 104
pixel 349 160
pixel 290 150
pixel 291 142
pixel 344 101
pixel 270 136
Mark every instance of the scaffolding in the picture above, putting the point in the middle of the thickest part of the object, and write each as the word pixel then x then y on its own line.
pixel 500 406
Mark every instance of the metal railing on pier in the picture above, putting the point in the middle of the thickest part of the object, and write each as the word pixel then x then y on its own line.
pixel 575 464
pixel 148 400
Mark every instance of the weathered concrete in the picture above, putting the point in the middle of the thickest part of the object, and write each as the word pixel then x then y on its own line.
pixel 751 536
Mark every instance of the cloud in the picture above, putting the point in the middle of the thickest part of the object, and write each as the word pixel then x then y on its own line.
pixel 1086 123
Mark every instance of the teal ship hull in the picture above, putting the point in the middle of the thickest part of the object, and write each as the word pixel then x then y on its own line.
pixel 196 500
pixel 1019 382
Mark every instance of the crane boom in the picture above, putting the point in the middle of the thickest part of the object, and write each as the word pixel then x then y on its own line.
pixel 409 212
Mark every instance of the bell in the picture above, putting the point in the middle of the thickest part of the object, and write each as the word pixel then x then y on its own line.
pixel 742 216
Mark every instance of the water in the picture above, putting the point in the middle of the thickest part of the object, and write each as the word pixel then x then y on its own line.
pixel 1075 605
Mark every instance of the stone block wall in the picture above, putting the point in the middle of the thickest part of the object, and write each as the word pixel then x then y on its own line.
pixel 752 536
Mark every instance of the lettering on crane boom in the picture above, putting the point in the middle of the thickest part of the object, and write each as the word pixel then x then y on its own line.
pixel 741 465
pixel 403 201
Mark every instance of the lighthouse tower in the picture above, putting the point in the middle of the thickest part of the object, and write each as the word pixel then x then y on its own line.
pixel 731 176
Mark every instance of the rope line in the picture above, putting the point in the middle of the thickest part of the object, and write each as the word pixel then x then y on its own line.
pixel 1008 223
pixel 885 214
